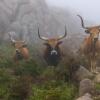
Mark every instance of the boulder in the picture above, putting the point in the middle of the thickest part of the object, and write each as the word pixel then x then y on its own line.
pixel 86 86
pixel 83 73
pixel 87 96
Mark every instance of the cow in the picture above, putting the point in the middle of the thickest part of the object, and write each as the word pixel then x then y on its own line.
pixel 91 45
pixel 21 50
pixel 52 53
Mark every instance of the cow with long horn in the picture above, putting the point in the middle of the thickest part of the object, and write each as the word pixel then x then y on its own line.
pixel 21 50
pixel 52 53
pixel 91 45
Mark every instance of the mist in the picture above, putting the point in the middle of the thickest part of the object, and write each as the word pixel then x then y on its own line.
pixel 89 9
pixel 24 16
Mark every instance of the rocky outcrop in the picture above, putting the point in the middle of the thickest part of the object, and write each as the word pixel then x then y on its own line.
pixel 87 96
pixel 83 73
pixel 86 86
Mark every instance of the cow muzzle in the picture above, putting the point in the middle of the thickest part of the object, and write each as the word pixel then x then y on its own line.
pixel 17 50
pixel 54 52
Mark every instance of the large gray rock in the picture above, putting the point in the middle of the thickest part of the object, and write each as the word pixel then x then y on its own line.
pixel 86 86
pixel 87 96
pixel 83 73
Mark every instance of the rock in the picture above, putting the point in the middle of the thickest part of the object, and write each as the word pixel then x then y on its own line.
pixel 87 96
pixel 83 73
pixel 98 69
pixel 97 98
pixel 97 78
pixel 86 86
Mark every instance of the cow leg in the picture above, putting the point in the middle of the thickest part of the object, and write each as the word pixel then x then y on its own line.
pixel 90 59
pixel 91 69
pixel 92 64
pixel 89 64
pixel 94 67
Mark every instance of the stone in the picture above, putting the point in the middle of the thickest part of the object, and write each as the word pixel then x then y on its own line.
pixel 87 96
pixel 86 86
pixel 83 73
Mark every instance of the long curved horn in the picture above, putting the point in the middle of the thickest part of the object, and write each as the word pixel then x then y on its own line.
pixel 11 37
pixel 61 37
pixel 42 38
pixel 82 22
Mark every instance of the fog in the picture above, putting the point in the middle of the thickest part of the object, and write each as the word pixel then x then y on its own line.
pixel 89 9
pixel 24 16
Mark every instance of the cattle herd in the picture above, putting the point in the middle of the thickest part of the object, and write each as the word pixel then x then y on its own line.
pixel 52 54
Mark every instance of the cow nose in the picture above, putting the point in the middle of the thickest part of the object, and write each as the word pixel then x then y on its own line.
pixel 53 52
pixel 17 50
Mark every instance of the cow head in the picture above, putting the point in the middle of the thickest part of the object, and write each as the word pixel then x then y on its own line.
pixel 94 31
pixel 53 44
pixel 17 44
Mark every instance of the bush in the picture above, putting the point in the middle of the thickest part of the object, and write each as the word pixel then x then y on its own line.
pixel 28 68
pixel 5 81
pixel 61 92
pixel 21 88
pixel 16 79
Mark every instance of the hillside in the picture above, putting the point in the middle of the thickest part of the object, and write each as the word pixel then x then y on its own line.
pixel 24 16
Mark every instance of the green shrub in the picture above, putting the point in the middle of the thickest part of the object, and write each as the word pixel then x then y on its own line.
pixel 27 68
pixel 5 81
pixel 61 92
pixel 97 86
pixel 17 85
pixel 21 88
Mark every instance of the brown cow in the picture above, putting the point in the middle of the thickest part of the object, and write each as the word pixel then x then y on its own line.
pixel 91 45
pixel 52 53
pixel 21 50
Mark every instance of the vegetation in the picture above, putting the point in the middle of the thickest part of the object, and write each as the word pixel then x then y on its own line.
pixel 33 80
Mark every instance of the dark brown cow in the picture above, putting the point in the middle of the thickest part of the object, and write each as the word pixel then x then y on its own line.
pixel 91 45
pixel 21 50
pixel 52 53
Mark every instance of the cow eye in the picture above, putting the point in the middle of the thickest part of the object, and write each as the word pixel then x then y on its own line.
pixel 87 31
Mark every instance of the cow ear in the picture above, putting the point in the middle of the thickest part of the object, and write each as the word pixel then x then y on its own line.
pixel 60 42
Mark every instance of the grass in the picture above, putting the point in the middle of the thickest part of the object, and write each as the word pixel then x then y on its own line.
pixel 61 92
pixel 33 80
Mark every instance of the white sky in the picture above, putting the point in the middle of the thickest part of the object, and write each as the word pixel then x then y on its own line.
pixel 89 9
